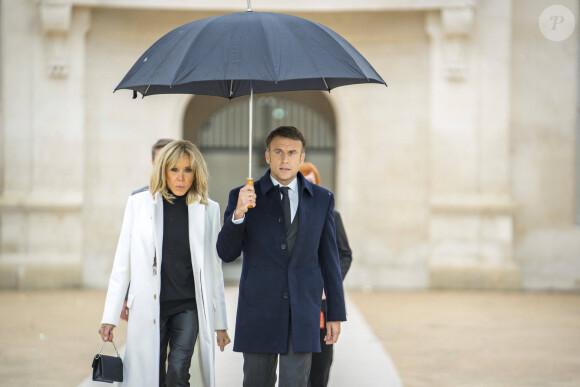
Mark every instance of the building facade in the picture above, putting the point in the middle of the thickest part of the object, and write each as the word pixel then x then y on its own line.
pixel 463 173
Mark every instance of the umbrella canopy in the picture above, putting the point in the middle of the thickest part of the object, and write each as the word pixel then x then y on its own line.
pixel 248 52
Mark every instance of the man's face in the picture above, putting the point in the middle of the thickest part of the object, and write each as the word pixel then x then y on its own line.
pixel 285 157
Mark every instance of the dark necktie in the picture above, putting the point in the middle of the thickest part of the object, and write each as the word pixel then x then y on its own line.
pixel 286 207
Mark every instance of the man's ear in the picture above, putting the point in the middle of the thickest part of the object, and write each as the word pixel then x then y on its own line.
pixel 302 157
pixel 267 155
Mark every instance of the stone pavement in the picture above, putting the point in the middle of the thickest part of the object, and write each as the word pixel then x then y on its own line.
pixel 454 338
pixel 478 338
pixel 359 358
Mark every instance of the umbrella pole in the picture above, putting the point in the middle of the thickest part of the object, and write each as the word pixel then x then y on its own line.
pixel 249 180
pixel 251 125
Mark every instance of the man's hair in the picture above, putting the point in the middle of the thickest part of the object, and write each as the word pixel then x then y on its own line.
pixel 158 145
pixel 168 158
pixel 287 132
pixel 308 168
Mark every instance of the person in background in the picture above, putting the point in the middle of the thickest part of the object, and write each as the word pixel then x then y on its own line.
pixel 155 149
pixel 321 361
pixel 285 228
pixel 167 250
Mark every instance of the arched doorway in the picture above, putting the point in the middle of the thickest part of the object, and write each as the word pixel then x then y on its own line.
pixel 220 129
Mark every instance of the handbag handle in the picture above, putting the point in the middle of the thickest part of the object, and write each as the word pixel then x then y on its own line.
pixel 114 346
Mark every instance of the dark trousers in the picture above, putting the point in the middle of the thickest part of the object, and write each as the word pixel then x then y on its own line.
pixel 180 332
pixel 260 368
pixel 321 361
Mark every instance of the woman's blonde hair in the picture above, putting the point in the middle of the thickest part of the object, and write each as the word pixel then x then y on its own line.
pixel 168 158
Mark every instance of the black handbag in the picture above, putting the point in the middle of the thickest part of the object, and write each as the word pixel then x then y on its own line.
pixel 107 369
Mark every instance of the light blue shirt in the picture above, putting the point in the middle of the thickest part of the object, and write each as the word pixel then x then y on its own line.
pixel 292 195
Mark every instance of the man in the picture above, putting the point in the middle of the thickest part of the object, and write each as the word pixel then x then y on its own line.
pixel 155 149
pixel 290 256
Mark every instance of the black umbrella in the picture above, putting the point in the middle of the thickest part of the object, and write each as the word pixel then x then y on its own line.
pixel 246 53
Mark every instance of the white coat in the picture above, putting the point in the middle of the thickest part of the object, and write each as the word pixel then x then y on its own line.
pixel 140 241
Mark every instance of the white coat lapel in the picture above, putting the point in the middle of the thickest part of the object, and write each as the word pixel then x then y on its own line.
pixel 158 227
pixel 196 215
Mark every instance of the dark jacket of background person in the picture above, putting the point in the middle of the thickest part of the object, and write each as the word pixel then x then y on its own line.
pixel 321 361
pixel 344 251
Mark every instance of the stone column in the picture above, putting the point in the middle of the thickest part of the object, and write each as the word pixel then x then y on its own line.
pixel 43 181
pixel 471 210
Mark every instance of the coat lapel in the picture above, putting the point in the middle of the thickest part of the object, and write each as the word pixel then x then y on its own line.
pixel 158 228
pixel 302 228
pixel 196 216
pixel 196 222
pixel 304 208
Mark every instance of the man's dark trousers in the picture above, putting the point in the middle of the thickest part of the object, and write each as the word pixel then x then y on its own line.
pixel 260 368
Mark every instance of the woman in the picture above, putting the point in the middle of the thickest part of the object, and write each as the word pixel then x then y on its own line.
pixel 167 251
pixel 321 361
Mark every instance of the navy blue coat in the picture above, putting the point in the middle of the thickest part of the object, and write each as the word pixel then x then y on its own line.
pixel 275 289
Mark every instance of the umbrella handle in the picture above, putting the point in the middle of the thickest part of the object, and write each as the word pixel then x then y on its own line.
pixel 250 181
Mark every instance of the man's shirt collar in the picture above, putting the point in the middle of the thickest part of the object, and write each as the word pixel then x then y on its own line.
pixel 293 184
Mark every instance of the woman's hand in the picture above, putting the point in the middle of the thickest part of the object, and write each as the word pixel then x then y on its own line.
pixel 125 311
pixel 222 338
pixel 106 332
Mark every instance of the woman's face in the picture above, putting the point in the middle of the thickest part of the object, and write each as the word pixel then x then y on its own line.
pixel 311 177
pixel 180 176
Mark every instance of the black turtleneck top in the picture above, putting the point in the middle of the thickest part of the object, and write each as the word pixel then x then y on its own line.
pixel 177 283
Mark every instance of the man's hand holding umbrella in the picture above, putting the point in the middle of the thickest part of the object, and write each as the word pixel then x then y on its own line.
pixel 246 200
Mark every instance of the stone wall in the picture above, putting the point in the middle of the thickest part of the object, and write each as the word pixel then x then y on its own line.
pixel 460 174
pixel 545 151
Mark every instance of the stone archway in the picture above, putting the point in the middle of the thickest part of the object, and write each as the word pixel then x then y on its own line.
pixel 220 128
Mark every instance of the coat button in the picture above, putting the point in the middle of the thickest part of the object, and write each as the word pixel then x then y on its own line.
pixel 280 220
pixel 283 246
pixel 155 296
pixel 154 321
pixel 286 295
